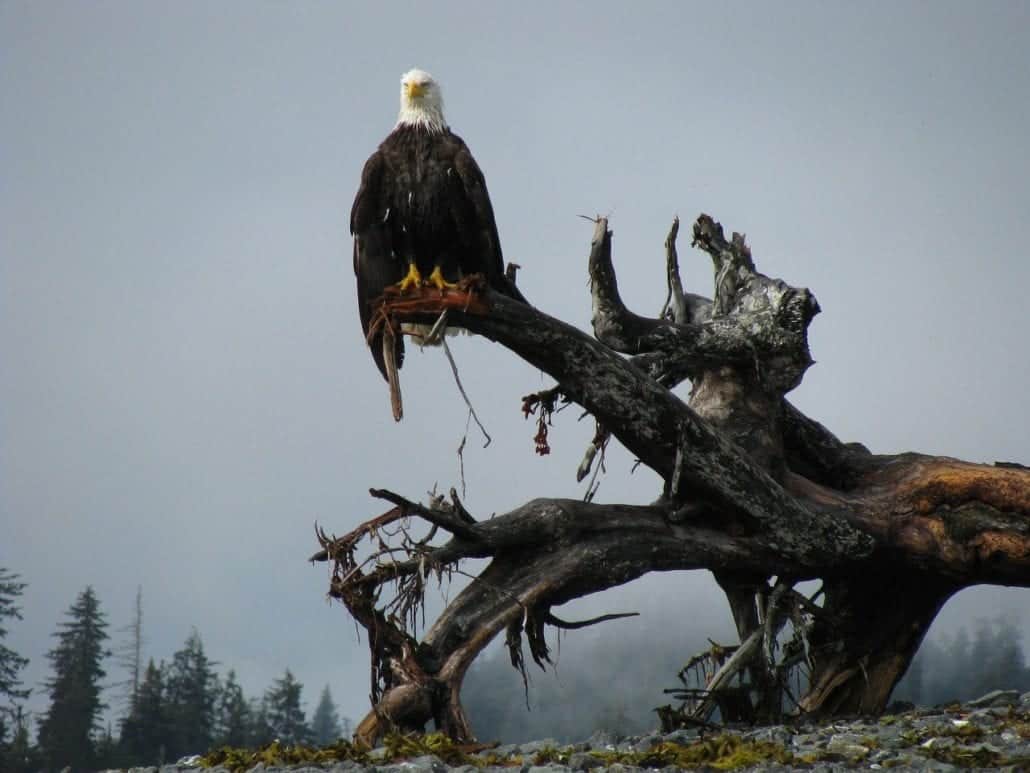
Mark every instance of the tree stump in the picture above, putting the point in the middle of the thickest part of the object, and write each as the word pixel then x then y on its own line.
pixel 754 491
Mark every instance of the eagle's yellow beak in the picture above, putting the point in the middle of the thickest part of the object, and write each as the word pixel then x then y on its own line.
pixel 415 90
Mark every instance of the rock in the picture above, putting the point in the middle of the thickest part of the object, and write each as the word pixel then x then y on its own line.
pixel 682 736
pixel 847 745
pixel 584 761
pixel 646 743
pixel 428 763
pixel 996 698
pixel 534 747
pixel 775 734
pixel 505 750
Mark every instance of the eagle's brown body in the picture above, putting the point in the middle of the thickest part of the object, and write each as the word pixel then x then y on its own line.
pixel 422 200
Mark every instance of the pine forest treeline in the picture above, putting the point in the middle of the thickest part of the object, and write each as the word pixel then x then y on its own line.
pixel 187 704
pixel 168 709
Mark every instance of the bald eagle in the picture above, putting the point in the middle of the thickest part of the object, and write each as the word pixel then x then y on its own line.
pixel 422 215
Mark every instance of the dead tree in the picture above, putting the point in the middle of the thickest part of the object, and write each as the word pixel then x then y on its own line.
pixel 754 491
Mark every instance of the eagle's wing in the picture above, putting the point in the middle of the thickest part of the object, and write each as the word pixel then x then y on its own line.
pixel 489 259
pixel 375 265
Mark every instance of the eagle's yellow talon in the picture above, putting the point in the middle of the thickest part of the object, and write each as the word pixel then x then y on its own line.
pixel 436 280
pixel 413 279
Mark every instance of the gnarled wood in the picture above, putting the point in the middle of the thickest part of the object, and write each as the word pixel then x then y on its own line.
pixel 752 489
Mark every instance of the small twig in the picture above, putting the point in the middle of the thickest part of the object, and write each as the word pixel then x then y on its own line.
pixel 437 331
pixel 429 537
pixel 594 482
pixel 729 669
pixel 557 622
pixel 461 454
pixel 510 271
pixel 689 720
pixel 457 380
pixel 598 443
pixel 332 546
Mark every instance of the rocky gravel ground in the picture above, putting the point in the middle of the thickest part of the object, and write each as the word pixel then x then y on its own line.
pixel 991 733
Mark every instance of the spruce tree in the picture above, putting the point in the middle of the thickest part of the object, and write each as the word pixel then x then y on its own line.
pixel 325 722
pixel 108 755
pixel 285 715
pixel 144 738
pixel 67 732
pixel 13 734
pixel 192 692
pixel 20 756
pixel 233 714
pixel 10 661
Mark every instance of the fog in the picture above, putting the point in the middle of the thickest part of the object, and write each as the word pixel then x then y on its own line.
pixel 184 388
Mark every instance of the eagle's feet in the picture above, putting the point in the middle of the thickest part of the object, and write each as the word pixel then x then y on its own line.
pixel 436 280
pixel 464 295
pixel 412 279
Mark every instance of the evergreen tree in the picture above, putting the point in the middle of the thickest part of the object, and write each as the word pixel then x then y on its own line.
pixel 11 716
pixel 20 756
pixel 108 753
pixel 192 692
pixel 259 731
pixel 325 723
pixel 145 732
pixel 233 714
pixel 68 730
pixel 285 716
pixel 10 661
pixel 958 672
pixel 996 658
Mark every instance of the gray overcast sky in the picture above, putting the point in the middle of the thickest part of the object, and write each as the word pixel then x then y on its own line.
pixel 184 388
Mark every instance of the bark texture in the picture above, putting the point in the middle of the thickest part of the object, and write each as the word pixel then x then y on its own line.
pixel 753 490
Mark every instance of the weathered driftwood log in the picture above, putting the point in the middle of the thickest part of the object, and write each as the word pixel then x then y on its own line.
pixel 753 490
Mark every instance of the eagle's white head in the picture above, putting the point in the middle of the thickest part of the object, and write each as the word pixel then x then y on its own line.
pixel 421 101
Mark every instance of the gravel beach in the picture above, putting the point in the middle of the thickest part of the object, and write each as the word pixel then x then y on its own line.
pixel 990 733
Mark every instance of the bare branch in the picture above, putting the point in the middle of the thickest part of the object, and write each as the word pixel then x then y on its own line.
pixel 675 302
pixel 445 520
pixel 645 417
pixel 613 323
